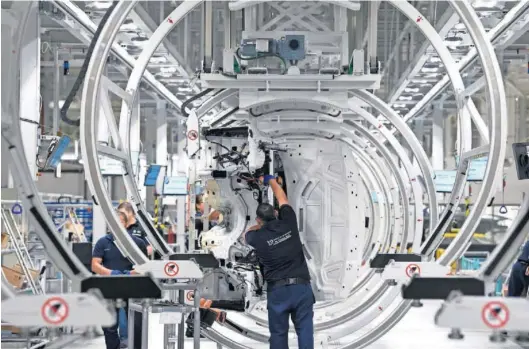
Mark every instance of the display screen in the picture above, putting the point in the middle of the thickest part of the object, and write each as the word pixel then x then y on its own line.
pixel 56 153
pixel 444 181
pixel 110 167
pixel 175 186
pixel 476 168
pixel 152 175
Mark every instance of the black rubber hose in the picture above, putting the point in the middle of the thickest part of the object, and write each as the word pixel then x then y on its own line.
pixel 82 73
pixel 190 100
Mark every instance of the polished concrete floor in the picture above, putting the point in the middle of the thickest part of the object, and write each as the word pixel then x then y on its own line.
pixel 415 331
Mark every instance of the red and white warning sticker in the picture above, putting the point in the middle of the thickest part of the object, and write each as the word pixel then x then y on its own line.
pixel 192 135
pixel 412 269
pixel 55 311
pixel 495 315
pixel 171 269
pixel 190 295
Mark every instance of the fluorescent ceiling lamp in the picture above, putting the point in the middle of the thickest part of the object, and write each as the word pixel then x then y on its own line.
pixel 405 98
pixel 399 105
pixel 168 70
pixel 99 5
pixel 409 89
pixel 185 89
pixel 429 70
pixel 485 3
pixel 460 26
pixel 129 27
pixel 435 59
pixel 158 60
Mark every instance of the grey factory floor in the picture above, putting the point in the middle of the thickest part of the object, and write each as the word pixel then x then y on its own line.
pixel 415 331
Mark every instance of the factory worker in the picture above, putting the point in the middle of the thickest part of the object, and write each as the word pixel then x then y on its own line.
pixel 278 247
pixel 133 226
pixel 108 260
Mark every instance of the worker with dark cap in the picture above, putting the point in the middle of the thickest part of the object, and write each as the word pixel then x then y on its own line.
pixel 278 246
pixel 519 279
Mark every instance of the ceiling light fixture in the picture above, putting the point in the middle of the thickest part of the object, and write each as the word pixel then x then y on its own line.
pixel 99 5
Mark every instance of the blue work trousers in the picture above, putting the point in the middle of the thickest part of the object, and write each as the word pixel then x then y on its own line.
pixel 518 281
pixel 112 340
pixel 123 325
pixel 113 334
pixel 291 301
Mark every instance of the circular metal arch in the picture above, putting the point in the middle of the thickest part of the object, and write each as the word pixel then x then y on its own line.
pixel 496 152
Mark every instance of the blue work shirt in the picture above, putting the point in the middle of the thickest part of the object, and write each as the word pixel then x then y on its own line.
pixel 137 230
pixel 107 250
pixel 278 247
pixel 525 253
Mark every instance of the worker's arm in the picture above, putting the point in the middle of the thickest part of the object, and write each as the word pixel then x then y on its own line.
pixel 149 250
pixel 214 215
pixel 97 257
pixel 98 268
pixel 275 184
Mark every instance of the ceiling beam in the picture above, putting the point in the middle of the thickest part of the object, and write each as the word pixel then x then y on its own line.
pixel 86 23
pixel 499 34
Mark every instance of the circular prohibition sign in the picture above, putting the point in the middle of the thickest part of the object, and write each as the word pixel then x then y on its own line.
pixel 55 311
pixel 412 269
pixel 171 269
pixel 192 135
pixel 190 296
pixel 495 314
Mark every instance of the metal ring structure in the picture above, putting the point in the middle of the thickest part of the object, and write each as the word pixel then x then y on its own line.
pixel 64 259
pixel 496 152
pixel 392 165
pixel 350 302
pixel 294 129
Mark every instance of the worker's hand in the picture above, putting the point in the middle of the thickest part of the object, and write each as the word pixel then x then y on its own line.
pixel 266 179
pixel 116 272
pixel 279 181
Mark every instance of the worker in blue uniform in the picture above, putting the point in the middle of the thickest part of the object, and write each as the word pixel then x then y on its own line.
pixel 133 226
pixel 278 247
pixel 107 259
pixel 519 279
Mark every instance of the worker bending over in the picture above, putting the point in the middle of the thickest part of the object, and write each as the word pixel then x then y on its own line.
pixel 133 226
pixel 278 247
pixel 519 279
pixel 107 259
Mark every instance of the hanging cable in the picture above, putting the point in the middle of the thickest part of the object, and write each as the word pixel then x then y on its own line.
pixel 82 73
pixel 192 99
pixel 265 55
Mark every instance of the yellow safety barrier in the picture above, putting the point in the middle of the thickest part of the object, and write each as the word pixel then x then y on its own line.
pixel 475 235
pixel 156 212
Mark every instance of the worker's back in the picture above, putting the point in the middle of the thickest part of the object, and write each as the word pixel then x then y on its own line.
pixel 279 247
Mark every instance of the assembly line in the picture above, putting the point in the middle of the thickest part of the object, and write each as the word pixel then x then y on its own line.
pixel 293 201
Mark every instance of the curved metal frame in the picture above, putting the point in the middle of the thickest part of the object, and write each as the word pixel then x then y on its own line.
pixel 497 146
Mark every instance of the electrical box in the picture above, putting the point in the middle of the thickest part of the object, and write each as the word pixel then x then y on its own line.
pixel 251 47
pixel 292 47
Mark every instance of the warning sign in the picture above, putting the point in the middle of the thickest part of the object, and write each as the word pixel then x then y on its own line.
pixel 55 310
pixel 412 269
pixel 171 269
pixel 192 135
pixel 495 315
pixel 190 295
